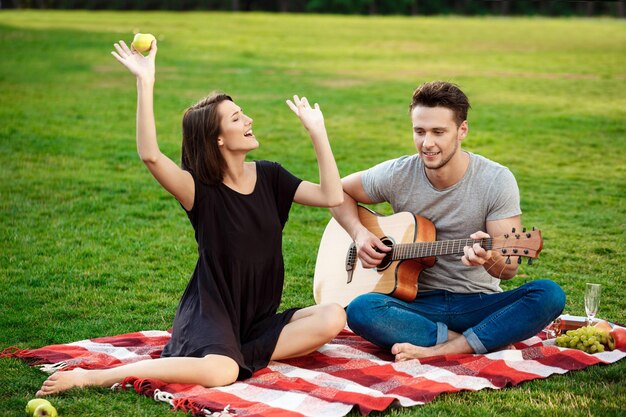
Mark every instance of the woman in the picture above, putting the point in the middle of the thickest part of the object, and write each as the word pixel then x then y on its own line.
pixel 226 325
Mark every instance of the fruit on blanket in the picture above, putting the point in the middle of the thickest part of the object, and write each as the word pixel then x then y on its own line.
pixel 588 339
pixel 32 405
pixel 617 338
pixel 603 326
pixel 45 410
pixel 142 41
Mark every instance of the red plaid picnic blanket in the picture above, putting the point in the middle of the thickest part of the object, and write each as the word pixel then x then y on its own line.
pixel 345 373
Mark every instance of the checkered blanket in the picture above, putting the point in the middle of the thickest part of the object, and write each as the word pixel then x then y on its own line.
pixel 345 373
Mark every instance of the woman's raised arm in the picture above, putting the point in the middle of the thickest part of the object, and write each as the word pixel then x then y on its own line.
pixel 175 180
pixel 328 193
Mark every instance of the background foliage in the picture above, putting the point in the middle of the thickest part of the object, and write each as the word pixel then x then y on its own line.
pixel 90 245
pixel 413 7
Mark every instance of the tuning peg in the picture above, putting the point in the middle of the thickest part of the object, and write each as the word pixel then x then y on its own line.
pixel 530 261
pixel 534 228
pixel 506 235
pixel 513 230
pixel 508 260
pixel 519 260
pixel 528 235
pixel 524 230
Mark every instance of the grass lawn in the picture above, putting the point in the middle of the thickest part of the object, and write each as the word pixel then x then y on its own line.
pixel 90 245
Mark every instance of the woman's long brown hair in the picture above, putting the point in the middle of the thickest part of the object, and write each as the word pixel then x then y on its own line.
pixel 201 128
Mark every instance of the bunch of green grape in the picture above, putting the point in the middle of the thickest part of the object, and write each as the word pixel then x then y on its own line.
pixel 588 339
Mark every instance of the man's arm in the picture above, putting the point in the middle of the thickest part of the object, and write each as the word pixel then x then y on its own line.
pixel 493 262
pixel 369 248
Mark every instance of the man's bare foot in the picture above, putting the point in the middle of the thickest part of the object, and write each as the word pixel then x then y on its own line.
pixel 407 351
pixel 507 347
pixel 63 380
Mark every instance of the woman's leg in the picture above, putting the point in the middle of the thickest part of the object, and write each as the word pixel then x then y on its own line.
pixel 308 329
pixel 209 371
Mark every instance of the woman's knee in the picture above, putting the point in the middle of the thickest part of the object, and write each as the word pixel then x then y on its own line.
pixel 334 318
pixel 218 371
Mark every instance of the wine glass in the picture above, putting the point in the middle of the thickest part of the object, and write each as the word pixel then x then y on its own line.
pixel 592 301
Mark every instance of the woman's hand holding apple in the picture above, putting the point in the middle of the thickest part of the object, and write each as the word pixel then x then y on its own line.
pixel 140 66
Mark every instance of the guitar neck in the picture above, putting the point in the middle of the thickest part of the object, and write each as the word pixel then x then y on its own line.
pixel 436 248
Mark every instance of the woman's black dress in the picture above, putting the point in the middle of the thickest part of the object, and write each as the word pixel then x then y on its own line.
pixel 229 306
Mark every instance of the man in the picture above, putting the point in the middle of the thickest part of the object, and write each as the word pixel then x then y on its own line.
pixel 460 307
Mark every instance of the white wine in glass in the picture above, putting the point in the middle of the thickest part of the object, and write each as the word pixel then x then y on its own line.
pixel 592 301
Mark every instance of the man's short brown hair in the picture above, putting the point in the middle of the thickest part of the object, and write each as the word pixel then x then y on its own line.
pixel 442 94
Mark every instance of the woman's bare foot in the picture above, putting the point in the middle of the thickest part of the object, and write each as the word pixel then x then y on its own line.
pixel 63 380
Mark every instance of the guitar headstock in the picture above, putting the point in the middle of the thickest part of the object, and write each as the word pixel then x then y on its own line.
pixel 526 244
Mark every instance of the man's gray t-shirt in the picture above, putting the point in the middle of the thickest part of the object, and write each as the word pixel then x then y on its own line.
pixel 487 191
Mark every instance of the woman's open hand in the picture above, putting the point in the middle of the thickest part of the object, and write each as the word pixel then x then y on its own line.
pixel 139 65
pixel 311 117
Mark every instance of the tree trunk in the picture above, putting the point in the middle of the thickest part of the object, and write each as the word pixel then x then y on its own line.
pixel 505 8
pixel 460 6
pixel 236 5
pixel 296 6
pixel 373 8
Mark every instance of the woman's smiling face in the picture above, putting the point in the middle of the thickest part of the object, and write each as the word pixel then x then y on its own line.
pixel 235 129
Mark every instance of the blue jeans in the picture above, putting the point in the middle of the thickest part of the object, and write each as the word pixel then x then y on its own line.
pixel 488 321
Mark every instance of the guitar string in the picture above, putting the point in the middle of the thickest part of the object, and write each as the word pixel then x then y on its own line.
pixel 404 249
pixel 426 249
pixel 494 264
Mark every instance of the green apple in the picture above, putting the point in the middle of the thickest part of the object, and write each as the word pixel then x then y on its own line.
pixel 33 404
pixel 45 410
pixel 142 42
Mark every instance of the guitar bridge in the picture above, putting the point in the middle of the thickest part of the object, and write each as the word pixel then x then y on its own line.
pixel 350 261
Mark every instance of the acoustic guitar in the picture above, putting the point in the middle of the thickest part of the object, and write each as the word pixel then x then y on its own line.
pixel 340 277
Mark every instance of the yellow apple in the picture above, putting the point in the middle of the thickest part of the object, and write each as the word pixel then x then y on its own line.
pixel 33 404
pixel 142 42
pixel 45 410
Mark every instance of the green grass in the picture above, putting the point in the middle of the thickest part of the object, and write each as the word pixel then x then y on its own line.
pixel 92 246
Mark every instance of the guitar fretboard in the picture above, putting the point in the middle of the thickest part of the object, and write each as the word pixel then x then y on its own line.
pixel 436 248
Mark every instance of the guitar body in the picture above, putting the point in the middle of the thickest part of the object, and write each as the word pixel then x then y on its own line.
pixel 333 282
pixel 340 276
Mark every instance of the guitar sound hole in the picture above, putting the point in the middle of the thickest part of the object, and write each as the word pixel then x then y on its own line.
pixel 387 260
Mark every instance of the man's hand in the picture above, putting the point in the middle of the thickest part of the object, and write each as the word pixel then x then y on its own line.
pixel 476 255
pixel 370 250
